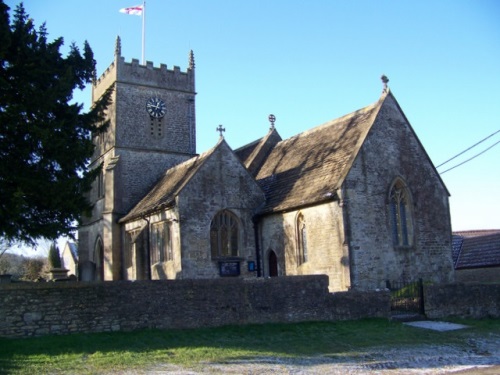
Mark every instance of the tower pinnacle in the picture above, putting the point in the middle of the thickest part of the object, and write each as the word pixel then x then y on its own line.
pixel 118 46
pixel 191 60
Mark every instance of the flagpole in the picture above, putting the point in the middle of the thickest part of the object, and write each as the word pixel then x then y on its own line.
pixel 143 31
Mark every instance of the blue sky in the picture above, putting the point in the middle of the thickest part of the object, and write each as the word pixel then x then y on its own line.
pixel 308 62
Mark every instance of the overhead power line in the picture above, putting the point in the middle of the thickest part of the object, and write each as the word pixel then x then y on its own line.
pixel 475 156
pixel 464 151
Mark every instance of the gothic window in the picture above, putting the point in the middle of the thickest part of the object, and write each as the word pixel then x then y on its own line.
pixel 161 242
pixel 224 235
pixel 400 214
pixel 301 240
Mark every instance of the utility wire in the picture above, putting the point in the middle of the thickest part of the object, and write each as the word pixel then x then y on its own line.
pixel 475 156
pixel 464 151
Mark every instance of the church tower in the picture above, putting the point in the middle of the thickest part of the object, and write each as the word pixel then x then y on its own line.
pixel 152 128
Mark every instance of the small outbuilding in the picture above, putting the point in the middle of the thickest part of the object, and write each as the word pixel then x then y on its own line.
pixel 476 256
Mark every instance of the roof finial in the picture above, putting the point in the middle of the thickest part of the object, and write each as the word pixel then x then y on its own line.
pixel 220 129
pixel 384 81
pixel 272 120
pixel 118 46
pixel 191 59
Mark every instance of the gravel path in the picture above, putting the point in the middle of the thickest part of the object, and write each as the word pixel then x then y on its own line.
pixel 481 356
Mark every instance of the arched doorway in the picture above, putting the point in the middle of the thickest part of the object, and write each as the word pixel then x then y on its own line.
pixel 273 264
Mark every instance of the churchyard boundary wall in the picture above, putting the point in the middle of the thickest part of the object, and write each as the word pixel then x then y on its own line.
pixel 476 301
pixel 37 309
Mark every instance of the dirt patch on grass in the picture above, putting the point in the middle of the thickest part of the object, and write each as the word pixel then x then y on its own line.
pixel 479 356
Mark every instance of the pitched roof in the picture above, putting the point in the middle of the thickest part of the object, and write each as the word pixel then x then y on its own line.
pixel 73 250
pixel 476 249
pixel 168 187
pixel 313 164
pixel 244 152
pixel 476 232
pixel 254 154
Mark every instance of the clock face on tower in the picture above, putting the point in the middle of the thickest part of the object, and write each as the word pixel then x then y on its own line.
pixel 156 107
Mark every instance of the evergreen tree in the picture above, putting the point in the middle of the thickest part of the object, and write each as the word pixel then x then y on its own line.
pixel 45 142
pixel 54 257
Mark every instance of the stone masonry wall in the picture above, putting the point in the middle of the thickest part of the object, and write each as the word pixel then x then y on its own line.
pixel 220 183
pixel 476 301
pixel 392 150
pixel 63 308
pixel 136 149
pixel 325 244
pixel 485 274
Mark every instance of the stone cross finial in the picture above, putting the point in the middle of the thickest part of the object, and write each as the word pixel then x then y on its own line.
pixel 384 81
pixel 220 129
pixel 272 120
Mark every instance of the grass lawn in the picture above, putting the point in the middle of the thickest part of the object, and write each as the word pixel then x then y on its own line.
pixel 113 352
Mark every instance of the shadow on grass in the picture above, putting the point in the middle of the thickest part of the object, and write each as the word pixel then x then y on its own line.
pixel 304 343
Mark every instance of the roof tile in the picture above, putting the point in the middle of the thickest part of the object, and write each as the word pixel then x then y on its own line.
pixel 309 167
pixel 477 250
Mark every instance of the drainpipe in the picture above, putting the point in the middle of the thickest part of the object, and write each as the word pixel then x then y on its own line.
pixel 148 251
pixel 255 220
pixel 344 203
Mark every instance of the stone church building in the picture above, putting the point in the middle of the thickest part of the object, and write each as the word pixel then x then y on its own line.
pixel 357 198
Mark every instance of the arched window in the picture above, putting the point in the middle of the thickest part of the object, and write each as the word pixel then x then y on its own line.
pixel 99 259
pixel 301 240
pixel 224 235
pixel 401 214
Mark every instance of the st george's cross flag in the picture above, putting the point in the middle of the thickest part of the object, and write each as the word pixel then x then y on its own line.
pixel 135 10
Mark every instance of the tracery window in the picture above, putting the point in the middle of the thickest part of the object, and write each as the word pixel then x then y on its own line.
pixel 161 242
pixel 301 240
pixel 401 214
pixel 224 235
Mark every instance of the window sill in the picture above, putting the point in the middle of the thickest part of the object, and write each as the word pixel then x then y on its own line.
pixel 228 259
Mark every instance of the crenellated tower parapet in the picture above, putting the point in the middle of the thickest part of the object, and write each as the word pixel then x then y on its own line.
pixel 171 79
pixel 101 84
pixel 135 73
